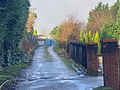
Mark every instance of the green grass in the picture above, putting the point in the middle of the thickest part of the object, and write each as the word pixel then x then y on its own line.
pixel 66 61
pixel 57 47
pixel 64 58
pixel 103 88
pixel 47 55
pixel 11 72
pixel 5 77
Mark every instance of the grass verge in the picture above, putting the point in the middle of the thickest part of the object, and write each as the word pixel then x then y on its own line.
pixel 10 73
pixel 66 61
pixel 47 55
pixel 103 88
pixel 64 58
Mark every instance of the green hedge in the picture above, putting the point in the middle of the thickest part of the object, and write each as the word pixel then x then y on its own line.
pixel 13 17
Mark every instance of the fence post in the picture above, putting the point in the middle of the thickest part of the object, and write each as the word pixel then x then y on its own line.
pixel 92 59
pixel 70 49
pixel 110 53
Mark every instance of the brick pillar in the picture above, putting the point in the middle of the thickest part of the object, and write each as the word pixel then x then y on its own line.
pixel 92 59
pixel 110 63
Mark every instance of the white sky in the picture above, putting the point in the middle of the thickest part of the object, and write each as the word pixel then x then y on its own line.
pixel 53 12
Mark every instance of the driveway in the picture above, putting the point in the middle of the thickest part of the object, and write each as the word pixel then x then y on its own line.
pixel 52 74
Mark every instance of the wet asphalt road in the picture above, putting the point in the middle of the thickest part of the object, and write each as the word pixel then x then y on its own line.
pixel 52 74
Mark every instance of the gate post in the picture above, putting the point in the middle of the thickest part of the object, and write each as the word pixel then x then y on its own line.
pixel 92 59
pixel 110 55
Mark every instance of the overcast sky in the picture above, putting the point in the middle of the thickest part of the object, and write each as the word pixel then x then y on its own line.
pixel 53 12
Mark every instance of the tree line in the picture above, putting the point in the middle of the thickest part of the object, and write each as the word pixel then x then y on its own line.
pixel 103 23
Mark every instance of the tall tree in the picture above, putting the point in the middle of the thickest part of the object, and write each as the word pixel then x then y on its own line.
pixel 13 17
pixel 98 17
pixel 112 29
pixel 70 29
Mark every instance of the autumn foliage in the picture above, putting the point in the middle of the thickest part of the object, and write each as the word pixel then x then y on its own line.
pixel 31 20
pixel 68 30
pixel 98 18
pixel 27 46
pixel 103 23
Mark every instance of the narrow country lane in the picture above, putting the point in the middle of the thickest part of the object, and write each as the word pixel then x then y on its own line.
pixel 52 74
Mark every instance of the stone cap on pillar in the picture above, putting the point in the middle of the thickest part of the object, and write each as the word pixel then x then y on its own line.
pixel 78 43
pixel 92 47
pixel 109 45
pixel 110 40
pixel 92 44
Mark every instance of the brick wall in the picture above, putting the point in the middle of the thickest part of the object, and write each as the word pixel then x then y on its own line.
pixel 92 59
pixel 110 63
